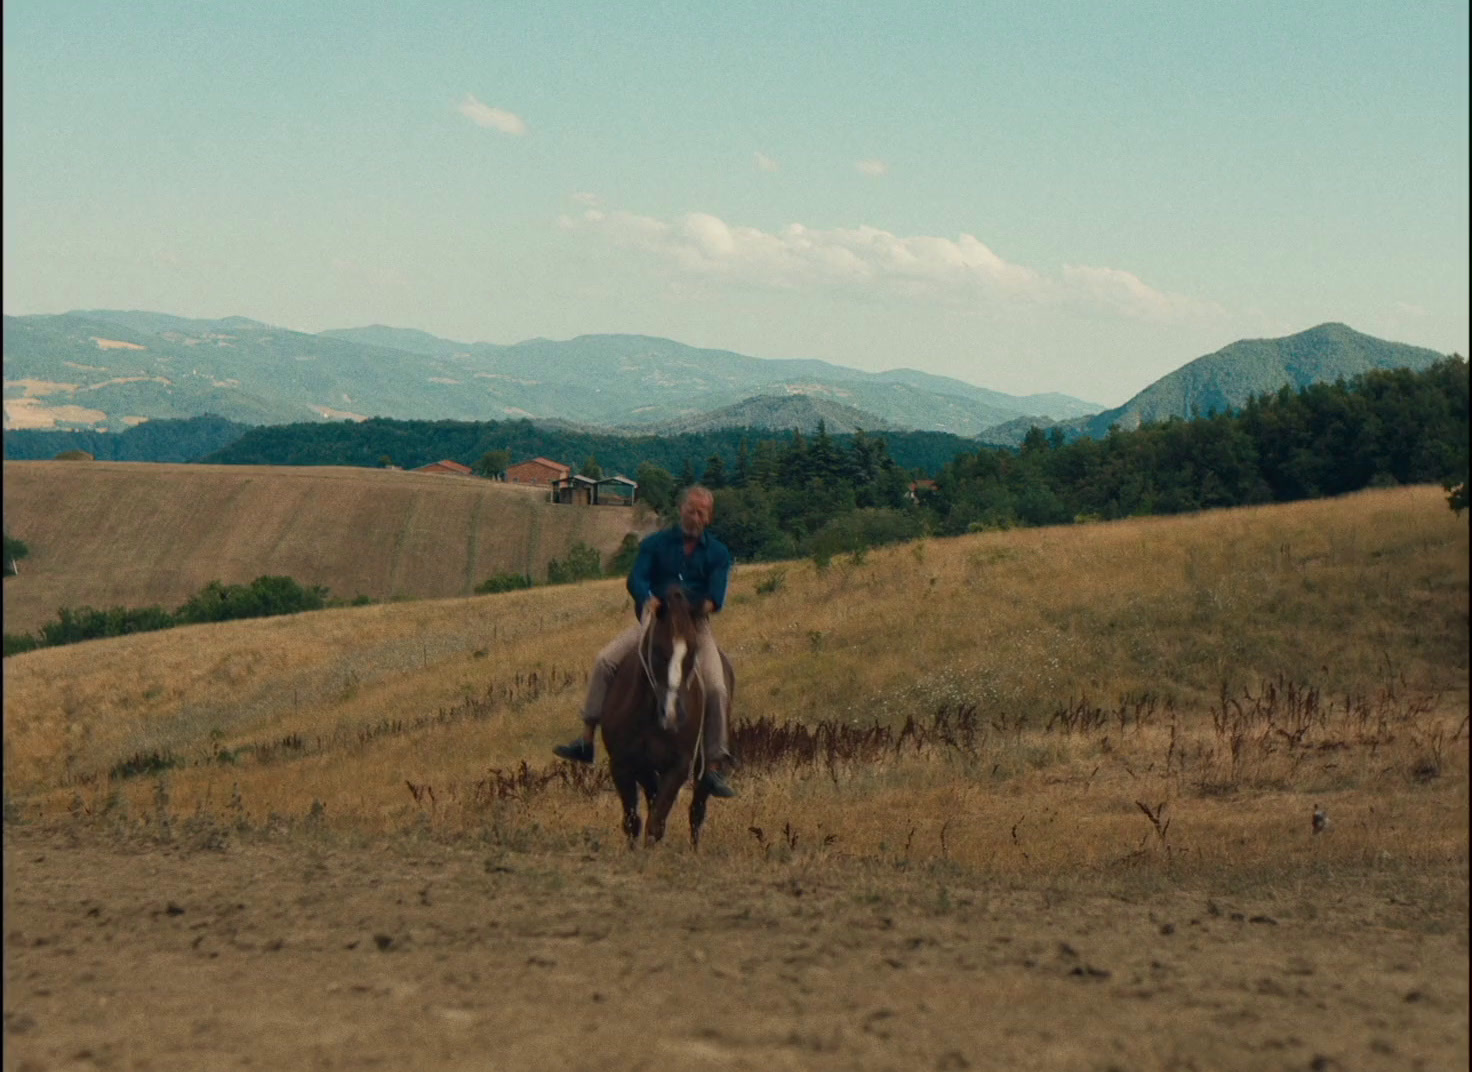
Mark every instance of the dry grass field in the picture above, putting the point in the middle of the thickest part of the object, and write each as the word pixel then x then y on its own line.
pixel 133 534
pixel 1031 799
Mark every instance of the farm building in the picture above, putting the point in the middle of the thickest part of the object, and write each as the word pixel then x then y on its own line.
pixel 585 491
pixel 445 466
pixel 542 472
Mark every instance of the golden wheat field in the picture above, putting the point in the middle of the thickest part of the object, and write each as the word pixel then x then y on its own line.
pixel 139 534
pixel 1030 799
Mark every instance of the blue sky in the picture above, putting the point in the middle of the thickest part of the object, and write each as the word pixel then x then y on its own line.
pixel 1073 197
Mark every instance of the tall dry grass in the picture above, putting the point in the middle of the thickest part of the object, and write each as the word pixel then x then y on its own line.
pixel 1165 696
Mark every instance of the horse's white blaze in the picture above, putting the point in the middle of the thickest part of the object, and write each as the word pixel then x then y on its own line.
pixel 672 689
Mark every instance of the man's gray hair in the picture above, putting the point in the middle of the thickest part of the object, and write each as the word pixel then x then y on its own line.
pixel 697 489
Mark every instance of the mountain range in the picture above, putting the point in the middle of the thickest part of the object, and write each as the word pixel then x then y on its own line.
pixel 107 369
pixel 110 369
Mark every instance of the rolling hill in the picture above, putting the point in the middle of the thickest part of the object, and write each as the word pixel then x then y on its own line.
pixel 803 411
pixel 130 534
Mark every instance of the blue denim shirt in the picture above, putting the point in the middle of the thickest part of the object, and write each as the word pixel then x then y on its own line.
pixel 662 562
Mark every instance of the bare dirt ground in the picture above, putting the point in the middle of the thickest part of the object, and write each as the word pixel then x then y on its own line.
pixel 310 951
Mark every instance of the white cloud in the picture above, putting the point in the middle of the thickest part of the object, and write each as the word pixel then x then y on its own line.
pixel 799 256
pixel 1125 293
pixel 496 118
pixel 766 163
pixel 1409 309
pixel 871 261
pixel 587 199
pixel 872 167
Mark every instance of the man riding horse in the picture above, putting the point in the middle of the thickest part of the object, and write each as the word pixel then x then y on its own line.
pixel 687 556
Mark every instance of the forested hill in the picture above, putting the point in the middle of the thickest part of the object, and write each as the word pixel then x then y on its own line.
pixel 409 444
pixel 183 440
pixel 1223 381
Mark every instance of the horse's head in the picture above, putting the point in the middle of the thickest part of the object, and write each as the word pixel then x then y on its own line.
pixel 677 608
pixel 675 634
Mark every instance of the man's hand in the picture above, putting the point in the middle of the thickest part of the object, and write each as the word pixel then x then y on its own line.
pixel 651 606
pixel 710 607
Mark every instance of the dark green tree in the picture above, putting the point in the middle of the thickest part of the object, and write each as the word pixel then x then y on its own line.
pixel 493 463
pixel 656 487
pixel 743 464
pixel 715 472
pixel 622 560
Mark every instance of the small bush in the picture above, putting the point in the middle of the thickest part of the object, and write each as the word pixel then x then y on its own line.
pixel 17 643
pixel 89 623
pixel 773 582
pixel 583 563
pixel 862 529
pixel 504 582
pixel 15 550
pixel 622 560
pixel 262 598
pixel 145 763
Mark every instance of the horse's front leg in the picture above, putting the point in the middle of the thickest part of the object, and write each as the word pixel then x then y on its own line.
pixel 628 795
pixel 670 784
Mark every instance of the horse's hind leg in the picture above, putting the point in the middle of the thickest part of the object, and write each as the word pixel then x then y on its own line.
pixel 697 813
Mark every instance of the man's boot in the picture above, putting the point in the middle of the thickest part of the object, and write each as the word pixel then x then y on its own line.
pixel 579 751
pixel 714 783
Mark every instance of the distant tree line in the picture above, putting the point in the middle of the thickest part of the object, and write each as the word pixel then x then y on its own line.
pixel 1383 428
pixel 215 602
pixel 171 440
pixel 382 441
pixel 816 496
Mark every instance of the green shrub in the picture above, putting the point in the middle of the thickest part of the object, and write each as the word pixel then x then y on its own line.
pixel 17 643
pixel 773 582
pixel 262 598
pixel 89 623
pixel 622 560
pixel 145 763
pixel 862 529
pixel 583 563
pixel 504 582
pixel 15 550
pixel 216 602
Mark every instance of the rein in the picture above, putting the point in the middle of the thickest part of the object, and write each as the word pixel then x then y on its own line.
pixel 646 640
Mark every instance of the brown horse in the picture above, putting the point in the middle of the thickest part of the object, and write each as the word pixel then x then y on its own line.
pixel 653 721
